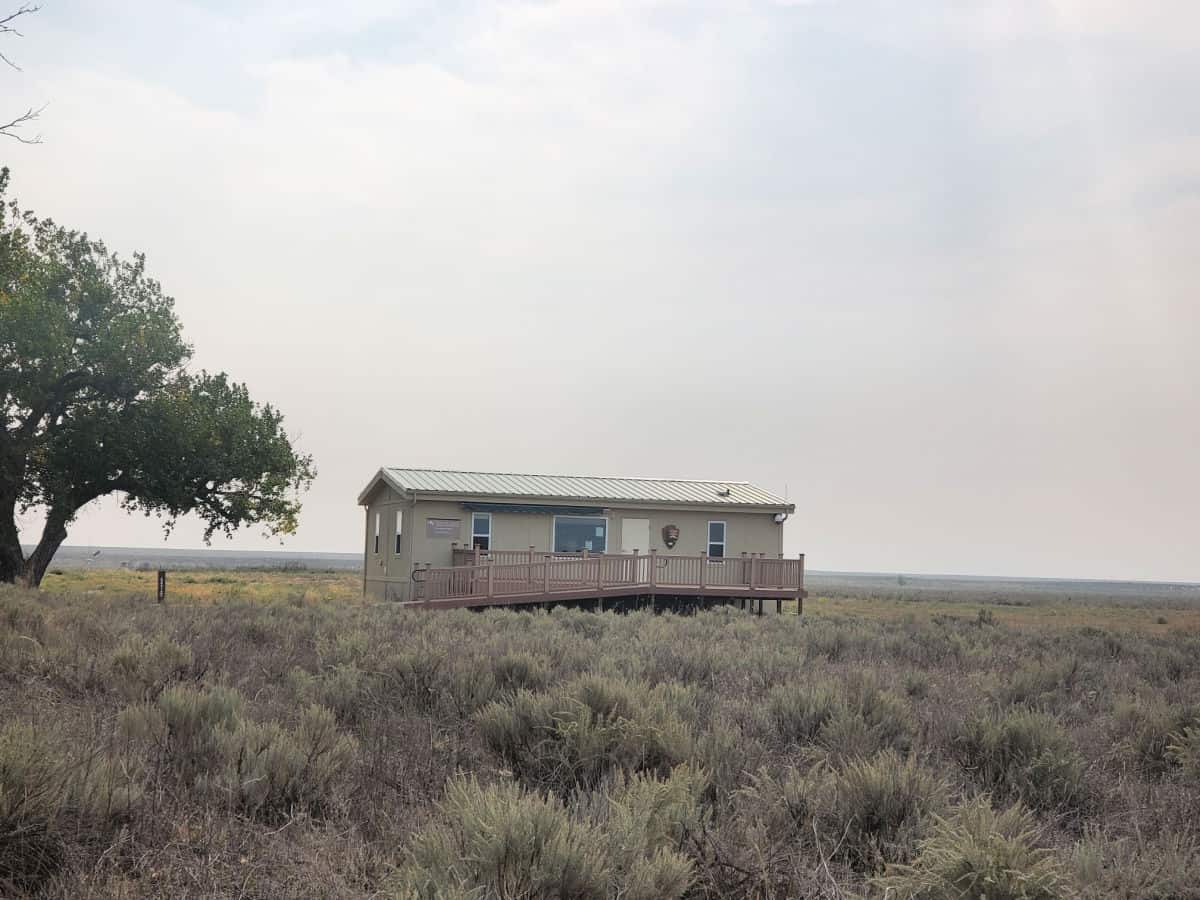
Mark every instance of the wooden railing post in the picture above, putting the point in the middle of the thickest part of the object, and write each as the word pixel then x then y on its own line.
pixel 653 565
pixel 476 561
pixel 428 591
pixel 753 571
pixel 491 585
pixel 703 568
pixel 546 575
pixel 529 571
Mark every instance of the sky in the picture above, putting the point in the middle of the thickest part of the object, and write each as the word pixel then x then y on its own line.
pixel 926 267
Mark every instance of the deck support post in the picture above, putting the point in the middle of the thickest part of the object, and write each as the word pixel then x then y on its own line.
pixel 779 606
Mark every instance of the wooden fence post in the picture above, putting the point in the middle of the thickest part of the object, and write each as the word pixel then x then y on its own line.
pixel 162 585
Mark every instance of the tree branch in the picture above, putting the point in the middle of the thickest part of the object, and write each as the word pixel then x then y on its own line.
pixel 11 129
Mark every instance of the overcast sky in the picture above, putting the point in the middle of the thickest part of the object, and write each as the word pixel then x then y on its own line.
pixel 928 267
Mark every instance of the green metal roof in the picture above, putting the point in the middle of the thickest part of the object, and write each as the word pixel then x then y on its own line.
pixel 578 487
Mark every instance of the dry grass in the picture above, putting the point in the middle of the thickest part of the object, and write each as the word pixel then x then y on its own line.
pixel 268 734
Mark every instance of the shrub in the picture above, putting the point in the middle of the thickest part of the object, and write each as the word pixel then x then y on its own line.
pixel 799 714
pixel 41 784
pixel 514 671
pixel 270 772
pixel 142 668
pixel 185 724
pixel 1038 685
pixel 1148 729
pixel 1023 755
pixel 873 810
pixel 979 853
pixel 593 727
pixel 1184 751
pixel 499 841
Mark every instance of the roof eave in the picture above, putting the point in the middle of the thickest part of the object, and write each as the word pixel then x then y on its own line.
pixel 610 501
pixel 384 476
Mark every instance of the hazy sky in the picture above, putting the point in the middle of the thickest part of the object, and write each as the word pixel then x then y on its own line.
pixel 930 267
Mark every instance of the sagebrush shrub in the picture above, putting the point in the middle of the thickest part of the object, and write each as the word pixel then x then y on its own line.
pixel 1020 754
pixel 592 727
pixel 501 841
pixel 271 771
pixel 142 668
pixel 42 786
pixel 185 724
pixel 799 713
pixel 873 810
pixel 979 853
pixel 1146 730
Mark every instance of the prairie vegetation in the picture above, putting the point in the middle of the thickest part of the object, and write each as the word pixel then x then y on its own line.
pixel 233 744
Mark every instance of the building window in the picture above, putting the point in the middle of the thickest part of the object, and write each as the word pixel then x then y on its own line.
pixel 481 531
pixel 399 528
pixel 716 539
pixel 377 518
pixel 575 533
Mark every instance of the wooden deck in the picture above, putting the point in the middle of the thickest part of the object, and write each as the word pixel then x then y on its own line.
pixel 520 577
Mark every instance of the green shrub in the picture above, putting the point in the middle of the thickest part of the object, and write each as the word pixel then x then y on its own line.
pixel 500 841
pixel 873 810
pixel 593 727
pixel 1164 869
pixel 1023 755
pixel 42 785
pixel 142 668
pixel 978 853
pixel 800 713
pixel 185 725
pixel 1147 730
pixel 1184 751
pixel 1038 685
pixel 271 772
pixel 516 671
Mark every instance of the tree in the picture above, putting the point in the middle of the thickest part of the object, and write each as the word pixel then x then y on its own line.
pixel 96 398
pixel 12 128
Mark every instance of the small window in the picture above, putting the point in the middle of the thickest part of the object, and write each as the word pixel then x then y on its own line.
pixel 377 522
pixel 399 528
pixel 716 539
pixel 481 531
pixel 575 533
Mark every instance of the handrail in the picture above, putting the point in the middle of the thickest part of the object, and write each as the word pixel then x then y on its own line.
pixel 523 573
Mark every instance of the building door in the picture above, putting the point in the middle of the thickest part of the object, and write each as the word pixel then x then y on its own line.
pixel 635 535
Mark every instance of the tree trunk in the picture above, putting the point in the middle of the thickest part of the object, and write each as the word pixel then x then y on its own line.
pixel 12 559
pixel 53 534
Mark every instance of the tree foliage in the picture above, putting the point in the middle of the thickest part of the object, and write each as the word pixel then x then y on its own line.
pixel 96 397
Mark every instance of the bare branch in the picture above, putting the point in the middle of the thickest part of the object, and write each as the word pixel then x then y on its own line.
pixel 11 128
pixel 7 28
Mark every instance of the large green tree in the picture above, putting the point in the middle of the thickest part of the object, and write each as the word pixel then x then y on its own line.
pixel 96 398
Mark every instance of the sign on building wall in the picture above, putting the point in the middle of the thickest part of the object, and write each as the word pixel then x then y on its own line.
pixel 443 528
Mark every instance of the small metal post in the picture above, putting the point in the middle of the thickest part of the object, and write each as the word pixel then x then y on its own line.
pixel 162 585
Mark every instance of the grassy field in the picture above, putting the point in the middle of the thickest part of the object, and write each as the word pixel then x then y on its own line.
pixel 269 734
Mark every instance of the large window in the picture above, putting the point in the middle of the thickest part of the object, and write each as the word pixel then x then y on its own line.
pixel 399 528
pixel 716 539
pixel 481 531
pixel 575 533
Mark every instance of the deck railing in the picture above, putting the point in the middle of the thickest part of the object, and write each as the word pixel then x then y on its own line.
pixel 517 574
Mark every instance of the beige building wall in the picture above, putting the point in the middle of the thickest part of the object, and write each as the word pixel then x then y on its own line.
pixel 387 574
